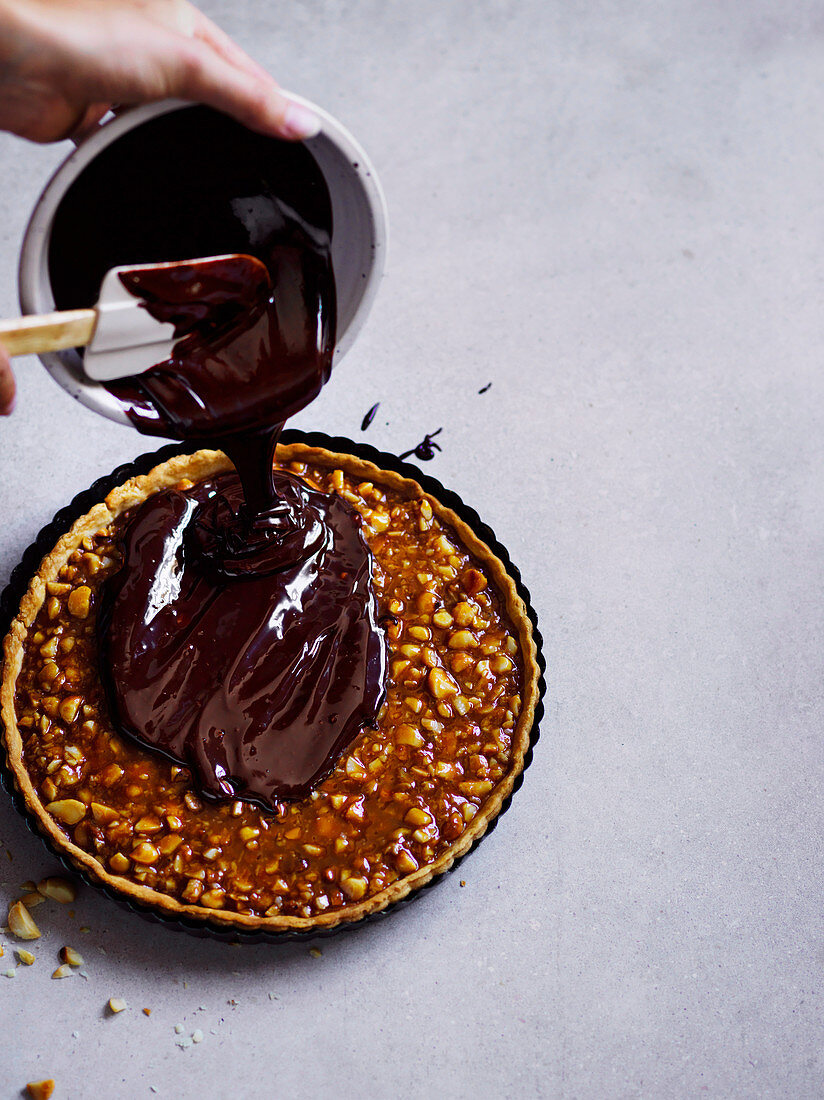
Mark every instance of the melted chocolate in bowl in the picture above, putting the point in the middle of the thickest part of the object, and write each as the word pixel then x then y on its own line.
pixel 241 636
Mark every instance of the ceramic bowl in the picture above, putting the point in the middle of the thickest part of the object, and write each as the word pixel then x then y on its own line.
pixel 359 236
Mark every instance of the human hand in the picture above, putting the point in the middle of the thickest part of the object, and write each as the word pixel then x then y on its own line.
pixel 63 63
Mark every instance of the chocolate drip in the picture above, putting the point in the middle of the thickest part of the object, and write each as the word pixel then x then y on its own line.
pixel 259 684
pixel 241 636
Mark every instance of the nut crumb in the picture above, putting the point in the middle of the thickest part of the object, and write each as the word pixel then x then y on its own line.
pixel 70 956
pixel 63 971
pixel 116 1004
pixel 21 923
pixel 25 957
pixel 147 1012
pixel 40 1090
pixel 315 952
pixel 10 973
pixel 178 1029
pixel 197 1036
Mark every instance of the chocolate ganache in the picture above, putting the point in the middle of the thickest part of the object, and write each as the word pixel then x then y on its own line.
pixel 241 636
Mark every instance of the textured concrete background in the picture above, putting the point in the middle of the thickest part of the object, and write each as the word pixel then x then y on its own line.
pixel 613 212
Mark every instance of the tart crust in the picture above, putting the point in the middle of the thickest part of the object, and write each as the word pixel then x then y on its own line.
pixel 206 463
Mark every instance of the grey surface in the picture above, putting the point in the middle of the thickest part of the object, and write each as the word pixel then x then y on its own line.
pixel 614 213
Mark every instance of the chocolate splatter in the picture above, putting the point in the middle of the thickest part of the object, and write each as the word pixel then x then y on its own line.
pixel 425 450
pixel 370 416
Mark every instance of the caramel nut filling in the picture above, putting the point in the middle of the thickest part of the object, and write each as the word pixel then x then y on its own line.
pixel 396 800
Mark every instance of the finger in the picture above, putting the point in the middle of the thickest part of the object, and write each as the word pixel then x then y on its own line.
pixel 184 18
pixel 202 75
pixel 90 120
pixel 7 386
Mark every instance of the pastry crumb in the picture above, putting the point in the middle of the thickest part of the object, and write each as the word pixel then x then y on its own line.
pixel 40 1090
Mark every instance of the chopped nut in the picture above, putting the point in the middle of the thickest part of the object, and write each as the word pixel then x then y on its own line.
pixel 70 956
pixel 32 898
pixel 40 1090
pixel 441 683
pixel 144 852
pixel 192 890
pixel 167 844
pixel 406 862
pixel 103 815
pixel 116 1004
pixel 79 601
pixel 119 863
pixel 354 887
pixel 67 810
pixel 110 775
pixel 408 735
pixel 212 899
pixel 24 956
pixel 21 924
pixel 417 816
pixel 63 971
pixel 462 639
pixel 473 581
pixel 69 708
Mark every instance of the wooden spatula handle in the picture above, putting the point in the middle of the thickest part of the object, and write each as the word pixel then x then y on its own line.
pixel 71 328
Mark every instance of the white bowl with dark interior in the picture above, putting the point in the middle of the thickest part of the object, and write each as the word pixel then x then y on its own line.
pixel 358 242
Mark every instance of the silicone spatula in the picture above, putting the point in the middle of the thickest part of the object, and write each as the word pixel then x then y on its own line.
pixel 120 336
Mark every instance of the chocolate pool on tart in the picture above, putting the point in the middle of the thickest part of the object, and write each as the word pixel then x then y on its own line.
pixel 402 801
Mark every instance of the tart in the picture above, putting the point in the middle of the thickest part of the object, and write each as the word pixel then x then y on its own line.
pixel 404 802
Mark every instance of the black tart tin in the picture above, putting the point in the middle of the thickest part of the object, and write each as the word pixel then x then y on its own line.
pixel 14 591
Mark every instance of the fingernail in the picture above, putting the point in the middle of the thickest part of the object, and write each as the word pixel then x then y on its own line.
pixel 300 122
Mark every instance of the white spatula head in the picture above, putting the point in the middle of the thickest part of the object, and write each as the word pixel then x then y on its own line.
pixel 128 339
